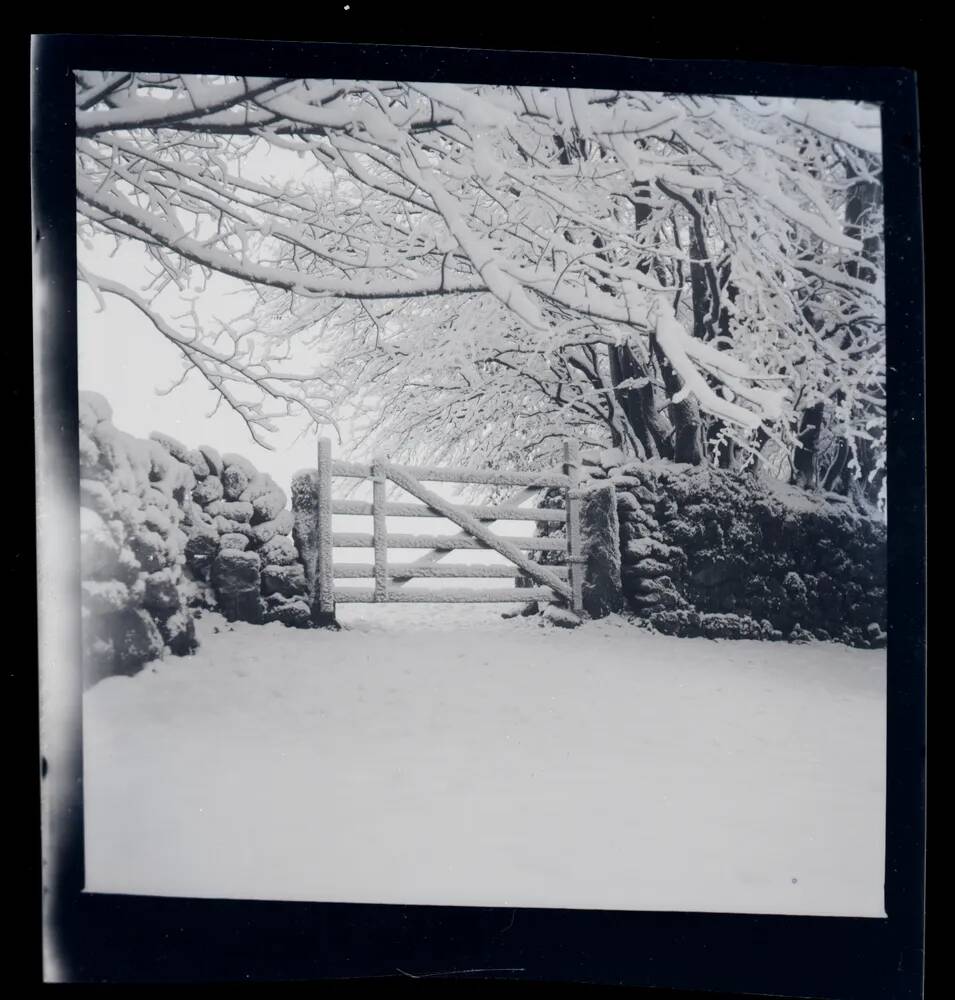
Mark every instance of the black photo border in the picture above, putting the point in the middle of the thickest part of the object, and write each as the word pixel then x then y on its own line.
pixel 114 938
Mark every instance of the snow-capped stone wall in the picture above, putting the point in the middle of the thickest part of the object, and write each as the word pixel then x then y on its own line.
pixel 239 547
pixel 722 554
pixel 165 529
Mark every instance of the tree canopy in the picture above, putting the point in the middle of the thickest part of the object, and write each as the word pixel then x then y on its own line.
pixel 480 270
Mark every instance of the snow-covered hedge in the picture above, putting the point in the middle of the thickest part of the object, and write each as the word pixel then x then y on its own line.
pixel 723 554
pixel 165 530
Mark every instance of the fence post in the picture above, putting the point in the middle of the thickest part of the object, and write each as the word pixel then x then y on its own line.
pixel 574 552
pixel 323 609
pixel 380 529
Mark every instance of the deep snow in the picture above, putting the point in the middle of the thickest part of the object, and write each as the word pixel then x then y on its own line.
pixel 439 754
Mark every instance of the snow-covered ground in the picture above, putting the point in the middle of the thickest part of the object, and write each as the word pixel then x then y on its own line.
pixel 442 755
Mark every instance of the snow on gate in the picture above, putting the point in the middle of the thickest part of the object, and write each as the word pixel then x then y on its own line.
pixel 560 582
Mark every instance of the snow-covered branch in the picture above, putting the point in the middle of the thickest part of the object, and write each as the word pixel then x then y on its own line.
pixel 479 265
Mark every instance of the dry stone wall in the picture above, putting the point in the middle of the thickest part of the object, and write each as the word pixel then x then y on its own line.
pixel 707 552
pixel 166 530
pixel 721 554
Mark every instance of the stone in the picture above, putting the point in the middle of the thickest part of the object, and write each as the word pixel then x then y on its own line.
pixel 647 569
pixel 149 547
pixel 127 566
pixel 799 634
pixel 237 582
pixel 258 487
pixel 160 593
pixel 207 491
pixel 279 551
pixel 233 540
pixel 226 526
pixel 728 626
pixel 293 612
pixel 267 530
pixel 136 639
pixel 289 581
pixel 652 585
pixel 235 479
pixel 233 510
pixel 104 597
pixel 197 462
pixel 284 522
pixel 684 533
pixel 626 502
pixel 600 543
pixel 164 469
pixel 642 548
pixel 233 461
pixel 561 617
pixel 193 514
pixel 659 600
pixel 682 622
pixel 178 632
pixel 630 531
pixel 268 506
pixel 175 448
pixel 201 596
pixel 201 549
pixel 213 459
pixel 157 520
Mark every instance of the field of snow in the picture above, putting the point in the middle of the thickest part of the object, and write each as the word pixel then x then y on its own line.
pixel 441 755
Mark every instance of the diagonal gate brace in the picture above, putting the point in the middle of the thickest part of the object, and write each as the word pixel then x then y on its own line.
pixel 477 529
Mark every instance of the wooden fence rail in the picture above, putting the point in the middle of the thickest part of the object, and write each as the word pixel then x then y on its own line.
pixel 479 511
pixel 431 474
pixel 441 543
pixel 547 582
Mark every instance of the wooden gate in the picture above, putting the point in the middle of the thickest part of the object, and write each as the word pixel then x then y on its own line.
pixel 562 582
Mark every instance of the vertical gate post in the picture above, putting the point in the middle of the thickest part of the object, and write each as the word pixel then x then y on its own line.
pixel 380 529
pixel 323 609
pixel 574 550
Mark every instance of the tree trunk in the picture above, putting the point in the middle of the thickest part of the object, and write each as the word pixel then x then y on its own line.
pixel 806 455
pixel 639 405
pixel 685 415
pixel 643 412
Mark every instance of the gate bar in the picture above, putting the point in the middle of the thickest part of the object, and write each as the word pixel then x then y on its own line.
pixel 324 580
pixel 380 529
pixel 464 520
pixel 572 503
